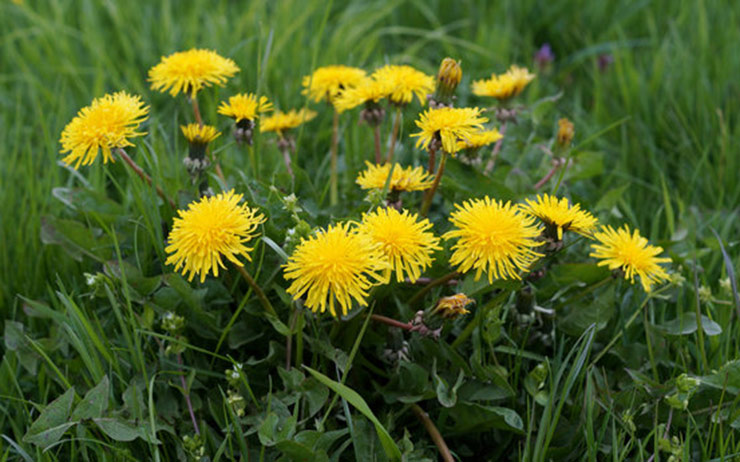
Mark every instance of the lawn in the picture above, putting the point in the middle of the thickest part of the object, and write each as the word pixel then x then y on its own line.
pixel 112 353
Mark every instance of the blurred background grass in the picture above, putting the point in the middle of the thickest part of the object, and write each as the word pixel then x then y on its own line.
pixel 668 68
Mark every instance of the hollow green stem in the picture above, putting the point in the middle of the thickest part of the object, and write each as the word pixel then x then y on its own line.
pixel 258 291
pixel 430 193
pixel 333 191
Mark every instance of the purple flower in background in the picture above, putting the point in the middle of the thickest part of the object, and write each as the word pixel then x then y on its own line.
pixel 605 60
pixel 544 56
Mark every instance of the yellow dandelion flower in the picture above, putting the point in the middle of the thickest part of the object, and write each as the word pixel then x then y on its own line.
pixel 631 253
pixel 404 83
pixel 403 179
pixel 369 90
pixel 189 71
pixel 493 237
pixel 106 124
pixel 558 216
pixel 504 86
pixel 209 230
pixel 335 266
pixel 448 125
pixel 245 106
pixel 282 121
pixel 479 139
pixel 326 83
pixel 453 306
pixel 199 134
pixel 404 239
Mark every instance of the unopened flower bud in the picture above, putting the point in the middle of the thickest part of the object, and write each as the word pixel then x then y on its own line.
pixel 566 130
pixel 448 78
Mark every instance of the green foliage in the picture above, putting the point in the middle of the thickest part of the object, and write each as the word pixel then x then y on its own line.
pixel 570 365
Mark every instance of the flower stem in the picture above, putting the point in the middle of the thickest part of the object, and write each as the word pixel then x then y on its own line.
pixel 432 157
pixel 333 192
pixel 556 164
pixel 391 322
pixel 258 291
pixel 394 134
pixel 196 110
pixel 285 150
pixel 376 136
pixel 430 194
pixel 186 392
pixel 139 171
pixel 436 436
pixel 437 282
pixel 496 150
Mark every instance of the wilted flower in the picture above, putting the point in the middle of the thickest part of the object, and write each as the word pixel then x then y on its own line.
pixel 106 124
pixel 189 71
pixel 494 238
pixel 630 253
pixel 338 265
pixel 209 230
pixel 404 239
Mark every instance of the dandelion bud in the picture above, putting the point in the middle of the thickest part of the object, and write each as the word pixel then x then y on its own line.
pixel 566 130
pixel 448 78
pixel 449 308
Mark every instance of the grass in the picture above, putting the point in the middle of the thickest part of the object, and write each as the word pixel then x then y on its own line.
pixel 658 126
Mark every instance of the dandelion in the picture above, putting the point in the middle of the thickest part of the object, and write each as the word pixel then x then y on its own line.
pixel 106 124
pixel 493 237
pixel 403 179
pixel 189 71
pixel 448 126
pixel 566 131
pixel 404 239
pixel 631 253
pixel 245 106
pixel 558 216
pixel 405 82
pixel 280 121
pixel 453 306
pixel 328 82
pixel 334 266
pixel 199 134
pixel 479 139
pixel 209 230
pixel 369 90
pixel 504 86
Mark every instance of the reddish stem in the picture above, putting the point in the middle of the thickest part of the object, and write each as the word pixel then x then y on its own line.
pixel 391 322
pixel 186 392
pixel 142 174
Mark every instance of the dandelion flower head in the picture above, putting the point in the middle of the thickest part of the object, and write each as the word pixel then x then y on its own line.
pixel 189 71
pixel 630 252
pixel 106 124
pixel 280 121
pixel 334 266
pixel 211 229
pixel 453 306
pixel 328 82
pixel 561 215
pixel 405 240
pixel 448 125
pixel 368 90
pixel 504 86
pixel 479 139
pixel 245 106
pixel 199 134
pixel 405 82
pixel 403 179
pixel 494 238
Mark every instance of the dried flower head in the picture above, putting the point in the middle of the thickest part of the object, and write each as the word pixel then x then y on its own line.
pixel 405 82
pixel 245 106
pixel 405 240
pixel 209 230
pixel 448 125
pixel 338 265
pixel 280 121
pixel 403 179
pixel 558 216
pixel 328 82
pixel 504 86
pixel 631 253
pixel 493 237
pixel 189 71
pixel 106 124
